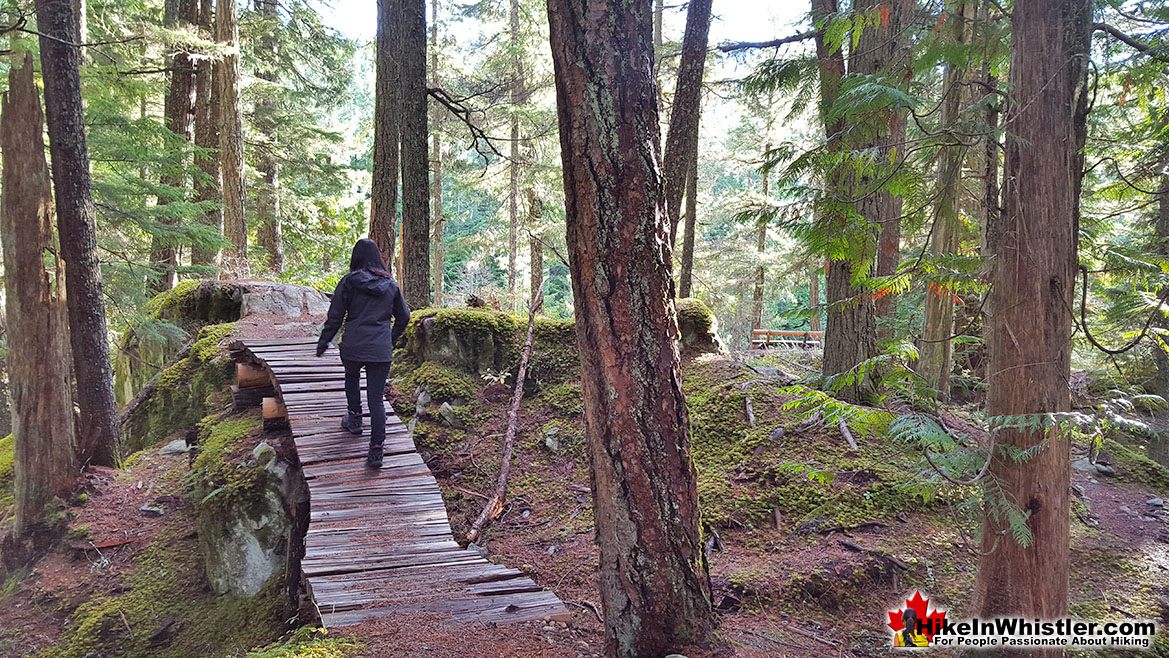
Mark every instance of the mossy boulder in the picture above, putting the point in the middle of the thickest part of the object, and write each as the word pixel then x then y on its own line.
pixel 185 391
pixel 7 464
pixel 698 326
pixel 172 318
pixel 247 496
pixel 481 341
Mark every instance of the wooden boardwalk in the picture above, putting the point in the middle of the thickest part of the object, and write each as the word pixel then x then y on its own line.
pixel 379 542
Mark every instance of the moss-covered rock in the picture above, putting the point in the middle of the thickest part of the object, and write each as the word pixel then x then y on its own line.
pixel 7 464
pixel 478 340
pixel 1131 465
pixel 443 383
pixel 309 642
pixel 245 502
pixel 698 325
pixel 185 391
pixel 172 317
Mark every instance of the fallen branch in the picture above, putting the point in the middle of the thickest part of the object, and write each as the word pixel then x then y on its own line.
pixel 848 436
pixel 584 604
pixel 494 507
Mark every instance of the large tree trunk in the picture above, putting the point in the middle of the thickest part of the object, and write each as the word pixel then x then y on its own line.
pixel 686 277
pixel 178 115
pixel 415 275
pixel 682 135
pixel 231 140
pixel 268 229
pixel 1161 246
pixel 936 354
pixel 814 298
pixel 760 249
pixel 1030 319
pixel 535 211
pixel 76 228
pixel 513 214
pixel 436 237
pixel 383 208
pixel 850 336
pixel 34 306
pixel 895 51
pixel 206 120
pixel 654 585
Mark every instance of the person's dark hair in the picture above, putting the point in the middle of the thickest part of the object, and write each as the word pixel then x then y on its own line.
pixel 366 256
pixel 909 617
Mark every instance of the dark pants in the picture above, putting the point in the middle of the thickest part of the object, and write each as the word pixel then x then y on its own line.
pixel 375 393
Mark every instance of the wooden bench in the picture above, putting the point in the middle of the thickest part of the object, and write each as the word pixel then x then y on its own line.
pixel 766 339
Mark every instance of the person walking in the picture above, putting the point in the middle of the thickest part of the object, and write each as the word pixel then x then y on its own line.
pixel 367 301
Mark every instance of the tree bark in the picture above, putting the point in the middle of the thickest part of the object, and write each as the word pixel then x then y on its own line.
pixel 814 298
pixel 1161 246
pixel 686 278
pixel 682 135
pixel 513 194
pixel 178 115
pixel 88 334
pixel 415 276
pixel 231 140
pixel 206 122
pixel 760 250
pixel 1030 319
pixel 654 585
pixel 437 267
pixel 268 228
pixel 535 211
pixel 936 361
pixel 34 306
pixel 386 130
pixel 850 335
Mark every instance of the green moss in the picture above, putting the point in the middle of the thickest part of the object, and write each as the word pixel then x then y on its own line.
pixel 170 301
pixel 309 642
pixel 7 462
pixel 565 399
pixel 219 478
pixel 1136 467
pixel 185 391
pixel 444 383
pixel 164 612
pixel 554 354
pixel 694 312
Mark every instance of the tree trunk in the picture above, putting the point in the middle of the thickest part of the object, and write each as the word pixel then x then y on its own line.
pixel 814 298
pixel 231 140
pixel 760 250
pixel 686 278
pixel 682 135
pixel 34 306
pixel 654 585
pixel 415 275
pixel 437 226
pixel 76 228
pixel 207 183
pixel 850 336
pixel 513 194
pixel 268 229
pixel 1030 319
pixel 178 115
pixel 383 209
pixel 535 211
pixel 1161 246
pixel 936 361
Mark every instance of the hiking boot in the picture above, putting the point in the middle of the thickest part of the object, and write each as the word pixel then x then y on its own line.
pixel 351 423
pixel 374 460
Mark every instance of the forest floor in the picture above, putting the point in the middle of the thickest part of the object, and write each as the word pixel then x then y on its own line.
pixel 810 541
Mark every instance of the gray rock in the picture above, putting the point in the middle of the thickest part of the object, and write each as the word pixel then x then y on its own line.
pixel 776 434
pixel 448 414
pixel 1084 465
pixel 1155 502
pixel 176 447
pixel 152 510
pixel 282 299
pixel 478 549
pixel 264 454
pixel 1126 509
pixel 550 440
pixel 1105 469
pixel 1078 490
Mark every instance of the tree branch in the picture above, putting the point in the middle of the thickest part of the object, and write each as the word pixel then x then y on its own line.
pixel 734 46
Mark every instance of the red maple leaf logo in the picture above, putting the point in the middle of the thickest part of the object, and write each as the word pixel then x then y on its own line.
pixel 931 621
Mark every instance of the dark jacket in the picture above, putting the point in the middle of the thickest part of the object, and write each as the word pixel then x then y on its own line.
pixel 366 302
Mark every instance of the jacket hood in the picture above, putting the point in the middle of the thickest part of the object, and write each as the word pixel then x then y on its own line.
pixel 370 283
